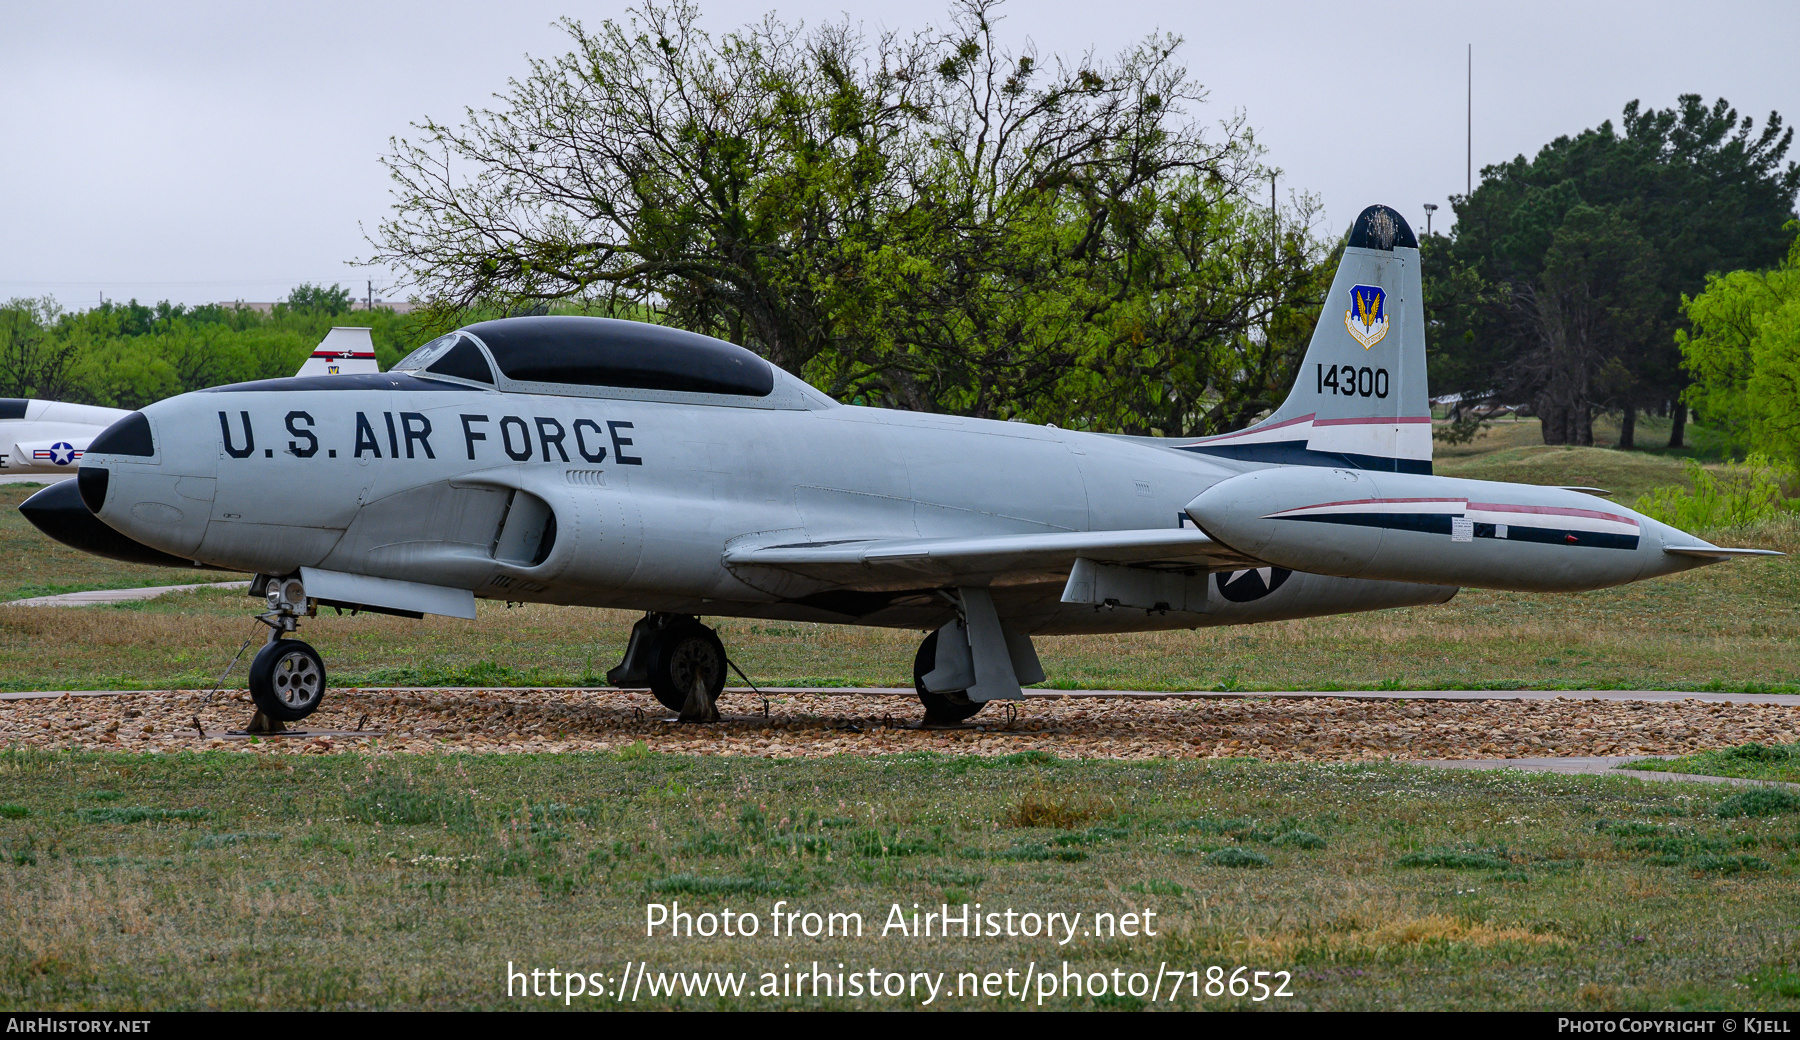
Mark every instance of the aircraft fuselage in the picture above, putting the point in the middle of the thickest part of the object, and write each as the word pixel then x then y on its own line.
pixel 447 485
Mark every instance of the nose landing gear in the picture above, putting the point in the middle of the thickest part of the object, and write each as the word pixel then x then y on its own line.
pixel 287 676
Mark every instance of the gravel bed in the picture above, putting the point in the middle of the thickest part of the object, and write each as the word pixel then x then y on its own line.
pixel 814 725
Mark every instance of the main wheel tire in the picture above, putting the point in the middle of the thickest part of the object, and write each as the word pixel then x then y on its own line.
pixel 287 680
pixel 684 652
pixel 941 709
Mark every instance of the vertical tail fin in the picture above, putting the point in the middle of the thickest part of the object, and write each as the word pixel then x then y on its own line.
pixel 1359 400
pixel 343 352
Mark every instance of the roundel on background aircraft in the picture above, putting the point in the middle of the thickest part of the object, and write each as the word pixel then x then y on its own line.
pixel 1252 584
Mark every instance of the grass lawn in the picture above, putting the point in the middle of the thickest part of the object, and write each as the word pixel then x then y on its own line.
pixel 1752 761
pixel 236 880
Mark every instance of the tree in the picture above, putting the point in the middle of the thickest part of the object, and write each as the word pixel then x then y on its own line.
pixel 307 298
pixel 33 362
pixel 925 221
pixel 1744 353
pixel 1593 304
pixel 1697 185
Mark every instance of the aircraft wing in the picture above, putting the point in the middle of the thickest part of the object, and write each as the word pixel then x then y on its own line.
pixel 884 562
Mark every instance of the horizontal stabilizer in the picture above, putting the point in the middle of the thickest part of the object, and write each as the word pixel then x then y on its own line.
pixel 1715 552
pixel 877 562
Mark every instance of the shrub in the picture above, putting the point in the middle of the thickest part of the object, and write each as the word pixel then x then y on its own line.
pixel 1728 864
pixel 394 803
pixel 1236 856
pixel 1741 494
pixel 1754 752
pixel 1453 860
pixel 692 885
pixel 1758 801
pixel 137 814
pixel 1037 808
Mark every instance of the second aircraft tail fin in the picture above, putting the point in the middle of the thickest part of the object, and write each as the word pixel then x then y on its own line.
pixel 343 352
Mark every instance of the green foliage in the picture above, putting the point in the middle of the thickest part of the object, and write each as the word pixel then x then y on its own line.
pixel 1758 801
pixel 1460 430
pixel 1452 860
pixel 316 299
pixel 1562 283
pixel 398 802
pixel 33 363
pixel 128 355
pixel 1236 856
pixel 1739 494
pixel 925 221
pixel 137 814
pixel 693 885
pixel 1744 353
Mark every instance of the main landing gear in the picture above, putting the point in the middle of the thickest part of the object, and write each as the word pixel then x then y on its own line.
pixel 941 709
pixel 287 676
pixel 973 659
pixel 680 660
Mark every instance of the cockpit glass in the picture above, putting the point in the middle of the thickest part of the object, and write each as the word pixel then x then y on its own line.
pixel 428 353
pixel 463 361
pixel 607 352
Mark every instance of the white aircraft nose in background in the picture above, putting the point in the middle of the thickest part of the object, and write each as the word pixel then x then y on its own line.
pixel 48 438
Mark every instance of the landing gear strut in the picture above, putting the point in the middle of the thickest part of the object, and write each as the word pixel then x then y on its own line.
pixel 287 676
pixel 680 660
pixel 941 709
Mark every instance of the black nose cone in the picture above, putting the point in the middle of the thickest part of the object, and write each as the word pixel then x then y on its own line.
pixel 59 512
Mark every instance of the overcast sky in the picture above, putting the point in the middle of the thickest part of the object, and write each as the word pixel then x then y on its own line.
pixel 200 151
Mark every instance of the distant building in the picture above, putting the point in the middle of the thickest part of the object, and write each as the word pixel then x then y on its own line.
pixel 397 306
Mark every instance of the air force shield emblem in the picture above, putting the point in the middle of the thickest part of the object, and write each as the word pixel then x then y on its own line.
pixel 1367 317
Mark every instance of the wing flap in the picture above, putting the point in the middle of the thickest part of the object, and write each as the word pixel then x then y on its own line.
pixel 1019 557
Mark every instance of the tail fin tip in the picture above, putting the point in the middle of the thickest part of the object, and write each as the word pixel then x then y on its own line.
pixel 1380 227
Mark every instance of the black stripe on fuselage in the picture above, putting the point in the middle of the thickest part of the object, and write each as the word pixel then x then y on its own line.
pixel 1296 453
pixel 360 381
pixel 1439 523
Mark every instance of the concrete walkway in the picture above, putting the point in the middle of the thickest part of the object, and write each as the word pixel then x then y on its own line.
pixel 1597 765
pixel 98 597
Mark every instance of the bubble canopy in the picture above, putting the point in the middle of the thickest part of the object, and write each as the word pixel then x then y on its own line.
pixel 600 352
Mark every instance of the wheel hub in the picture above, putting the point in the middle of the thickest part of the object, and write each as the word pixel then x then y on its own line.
pixel 693 662
pixel 297 680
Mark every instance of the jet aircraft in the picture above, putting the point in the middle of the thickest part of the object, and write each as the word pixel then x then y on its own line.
pixel 606 463
pixel 49 437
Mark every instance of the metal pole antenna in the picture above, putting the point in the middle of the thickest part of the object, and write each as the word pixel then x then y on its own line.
pixel 1469 160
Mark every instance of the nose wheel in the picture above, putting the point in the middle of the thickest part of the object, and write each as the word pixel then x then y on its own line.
pixel 287 680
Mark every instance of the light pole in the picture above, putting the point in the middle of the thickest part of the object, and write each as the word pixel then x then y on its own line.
pixel 1430 208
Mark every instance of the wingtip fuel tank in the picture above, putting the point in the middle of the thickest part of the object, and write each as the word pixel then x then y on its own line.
pixel 1441 530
